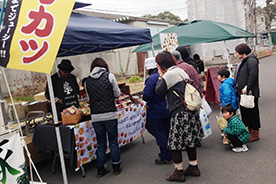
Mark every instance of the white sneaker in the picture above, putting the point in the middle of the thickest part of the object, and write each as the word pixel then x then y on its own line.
pixel 237 149
pixel 240 149
pixel 244 148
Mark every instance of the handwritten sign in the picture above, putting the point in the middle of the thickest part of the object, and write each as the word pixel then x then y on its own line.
pixel 131 124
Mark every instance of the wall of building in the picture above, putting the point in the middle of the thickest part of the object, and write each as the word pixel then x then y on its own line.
pixel 117 61
pixel 26 83
pixel 262 39
pixel 122 62
pixel 260 22
pixel 230 12
pixel 22 83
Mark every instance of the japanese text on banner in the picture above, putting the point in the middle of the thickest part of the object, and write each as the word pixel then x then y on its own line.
pixel 33 32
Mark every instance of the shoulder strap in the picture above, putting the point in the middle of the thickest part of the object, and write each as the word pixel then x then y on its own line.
pixel 180 99
pixel 186 80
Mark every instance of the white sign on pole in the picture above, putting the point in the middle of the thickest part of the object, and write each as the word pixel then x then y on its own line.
pixel 13 168
pixel 168 41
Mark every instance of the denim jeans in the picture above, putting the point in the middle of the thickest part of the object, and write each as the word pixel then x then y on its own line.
pixel 111 128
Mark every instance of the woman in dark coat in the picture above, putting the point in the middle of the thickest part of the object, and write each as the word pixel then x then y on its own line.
pixel 247 80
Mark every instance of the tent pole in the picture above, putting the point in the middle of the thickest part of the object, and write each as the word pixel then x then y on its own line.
pixel 2 108
pixel 153 54
pixel 54 111
pixel 152 49
pixel 3 118
pixel 228 60
pixel 144 78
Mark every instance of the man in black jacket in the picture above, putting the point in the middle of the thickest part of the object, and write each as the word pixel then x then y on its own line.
pixel 65 87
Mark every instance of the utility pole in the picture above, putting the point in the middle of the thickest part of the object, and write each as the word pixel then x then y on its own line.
pixel 255 23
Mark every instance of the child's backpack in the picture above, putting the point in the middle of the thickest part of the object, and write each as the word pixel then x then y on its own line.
pixel 192 97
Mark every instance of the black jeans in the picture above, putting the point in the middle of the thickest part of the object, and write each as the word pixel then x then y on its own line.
pixel 251 117
pixel 234 140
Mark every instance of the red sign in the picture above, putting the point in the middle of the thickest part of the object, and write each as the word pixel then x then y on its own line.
pixel 212 85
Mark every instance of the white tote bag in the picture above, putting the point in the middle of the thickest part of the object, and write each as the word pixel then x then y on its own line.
pixel 247 101
pixel 205 124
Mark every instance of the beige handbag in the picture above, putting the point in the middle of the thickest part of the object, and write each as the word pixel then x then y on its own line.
pixel 247 101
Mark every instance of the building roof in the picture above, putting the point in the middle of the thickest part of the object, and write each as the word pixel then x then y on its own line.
pixel 124 18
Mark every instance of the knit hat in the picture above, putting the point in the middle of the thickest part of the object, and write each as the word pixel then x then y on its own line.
pixel 150 63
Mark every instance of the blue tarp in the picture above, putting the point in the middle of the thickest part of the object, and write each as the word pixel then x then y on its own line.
pixel 88 34
pixel 80 5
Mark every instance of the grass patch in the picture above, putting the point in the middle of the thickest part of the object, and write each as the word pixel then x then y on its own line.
pixel 20 99
pixel 135 79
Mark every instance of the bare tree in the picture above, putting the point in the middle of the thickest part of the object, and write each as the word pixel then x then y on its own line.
pixel 270 14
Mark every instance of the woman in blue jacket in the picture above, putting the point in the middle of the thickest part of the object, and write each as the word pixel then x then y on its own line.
pixel 157 112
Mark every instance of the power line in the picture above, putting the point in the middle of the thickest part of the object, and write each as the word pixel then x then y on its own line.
pixel 133 11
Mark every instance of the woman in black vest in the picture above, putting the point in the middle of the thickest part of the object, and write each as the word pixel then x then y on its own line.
pixel 102 89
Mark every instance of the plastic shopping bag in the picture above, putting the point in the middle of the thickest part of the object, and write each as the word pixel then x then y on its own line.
pixel 205 124
pixel 206 107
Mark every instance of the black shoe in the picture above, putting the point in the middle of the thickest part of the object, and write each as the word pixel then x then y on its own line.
pixel 160 161
pixel 101 172
pixel 117 168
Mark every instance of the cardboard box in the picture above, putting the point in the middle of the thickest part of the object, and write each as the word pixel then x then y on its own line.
pixel 19 109
pixel 36 106
pixel 40 96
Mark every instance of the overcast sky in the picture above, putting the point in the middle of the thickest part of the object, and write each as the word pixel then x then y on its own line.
pixel 142 7
pixel 139 7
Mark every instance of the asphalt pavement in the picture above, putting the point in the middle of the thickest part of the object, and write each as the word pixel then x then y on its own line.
pixel 217 163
